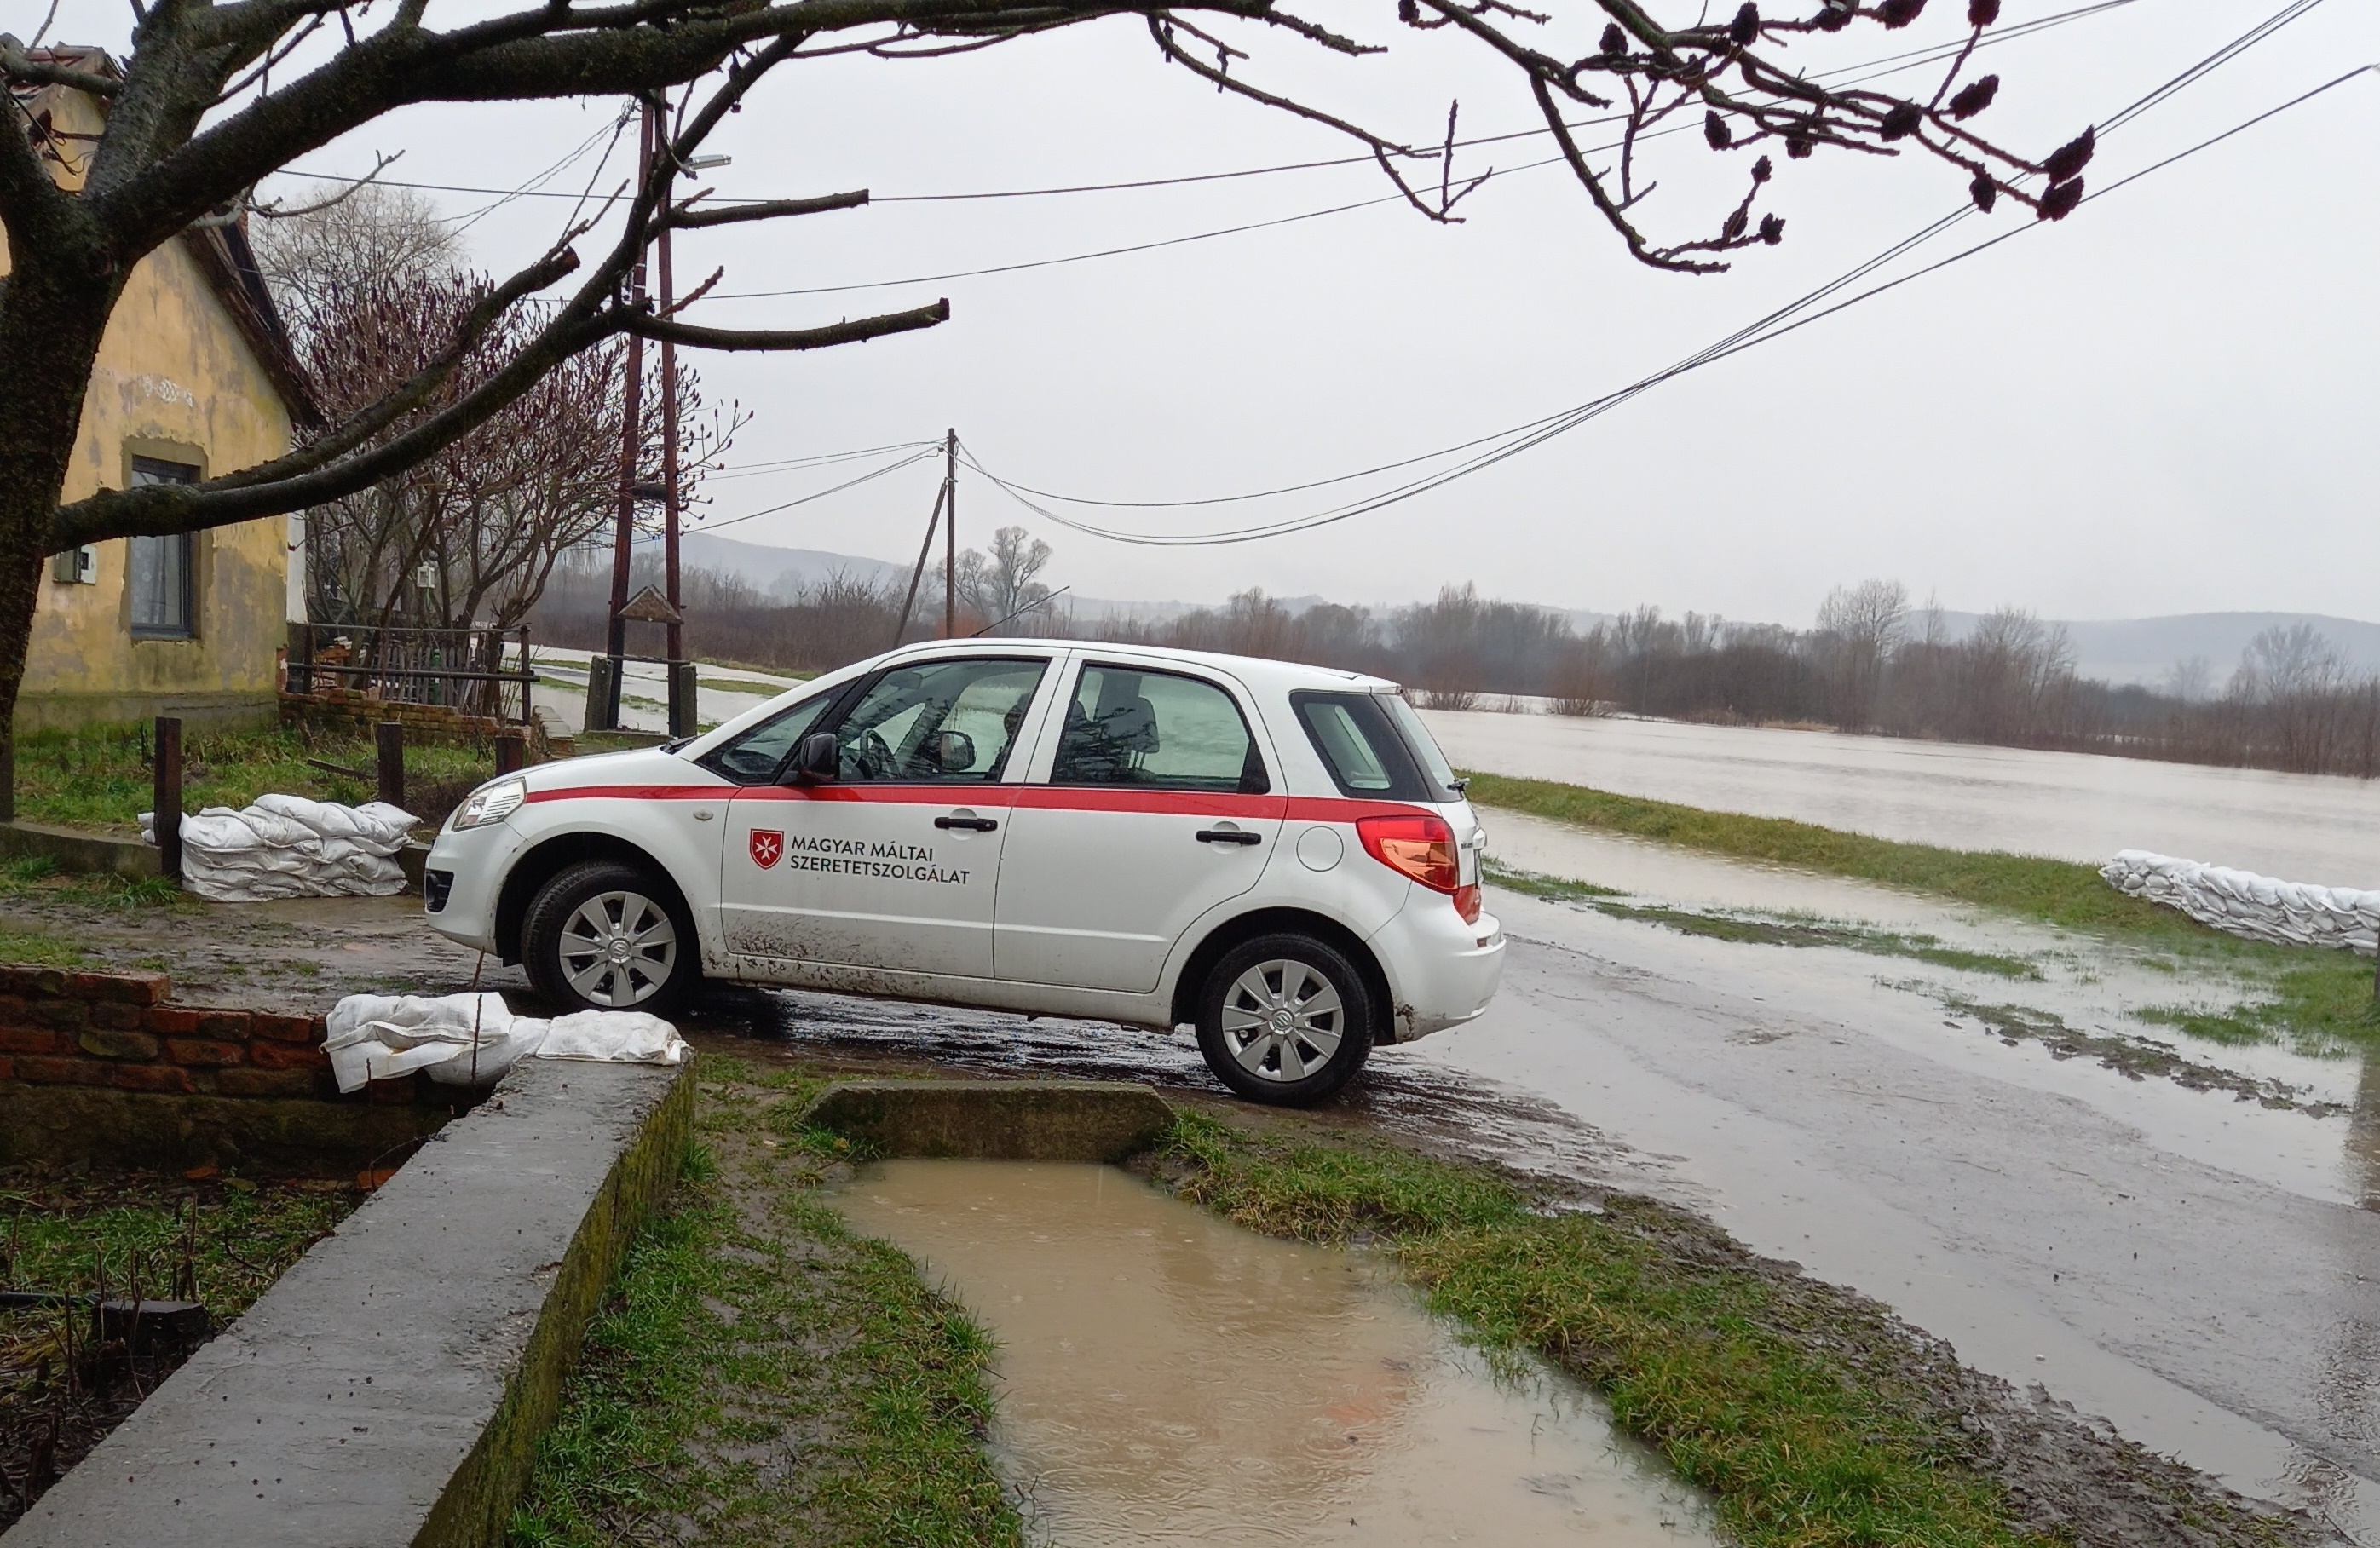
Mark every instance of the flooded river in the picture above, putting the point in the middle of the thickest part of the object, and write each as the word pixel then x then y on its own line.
pixel 2074 806
pixel 1165 1377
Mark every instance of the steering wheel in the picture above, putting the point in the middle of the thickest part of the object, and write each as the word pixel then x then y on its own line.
pixel 875 760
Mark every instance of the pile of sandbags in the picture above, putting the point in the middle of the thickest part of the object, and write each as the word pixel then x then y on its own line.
pixel 468 1040
pixel 2242 903
pixel 286 846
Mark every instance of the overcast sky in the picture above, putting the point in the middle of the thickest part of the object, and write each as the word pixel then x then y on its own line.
pixel 2165 404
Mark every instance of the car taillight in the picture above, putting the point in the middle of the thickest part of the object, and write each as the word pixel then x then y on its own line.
pixel 1466 903
pixel 1421 846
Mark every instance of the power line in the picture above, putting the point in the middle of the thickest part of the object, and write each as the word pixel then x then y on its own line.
pixel 1512 441
pixel 932 449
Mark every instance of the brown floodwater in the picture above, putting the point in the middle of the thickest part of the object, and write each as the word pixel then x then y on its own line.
pixel 1166 1377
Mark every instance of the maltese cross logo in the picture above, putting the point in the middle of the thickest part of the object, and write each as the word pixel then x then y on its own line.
pixel 768 847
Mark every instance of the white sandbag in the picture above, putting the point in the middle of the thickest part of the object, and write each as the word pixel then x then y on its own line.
pixel 2242 903
pixel 470 1039
pixel 614 1037
pixel 286 846
pixel 373 1037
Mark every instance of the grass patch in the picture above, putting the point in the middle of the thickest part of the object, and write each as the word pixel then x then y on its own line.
pixel 2319 1003
pixel 1766 929
pixel 742 685
pixel 2058 892
pixel 2317 1000
pixel 760 1375
pixel 103 777
pixel 1813 1420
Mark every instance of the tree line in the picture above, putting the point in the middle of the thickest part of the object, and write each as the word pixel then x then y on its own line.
pixel 1869 661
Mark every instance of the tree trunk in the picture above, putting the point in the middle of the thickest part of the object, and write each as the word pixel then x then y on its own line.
pixel 50 328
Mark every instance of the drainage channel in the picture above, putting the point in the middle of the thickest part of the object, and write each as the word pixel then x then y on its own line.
pixel 1166 1377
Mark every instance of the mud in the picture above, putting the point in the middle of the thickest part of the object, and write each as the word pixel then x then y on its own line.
pixel 1165 1377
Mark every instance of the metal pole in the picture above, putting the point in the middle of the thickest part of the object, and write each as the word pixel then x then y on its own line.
pixel 951 535
pixel 605 715
pixel 166 798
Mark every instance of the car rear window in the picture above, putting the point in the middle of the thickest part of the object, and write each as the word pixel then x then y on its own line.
pixel 1368 750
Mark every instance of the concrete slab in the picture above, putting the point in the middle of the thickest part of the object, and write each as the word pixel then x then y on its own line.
pixel 998 1120
pixel 79 850
pixel 391 1388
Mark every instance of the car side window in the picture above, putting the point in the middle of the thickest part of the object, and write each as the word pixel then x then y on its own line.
pixel 939 722
pixel 1157 731
pixel 754 757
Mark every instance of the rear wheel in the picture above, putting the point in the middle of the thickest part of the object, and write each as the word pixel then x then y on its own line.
pixel 1285 1019
pixel 603 936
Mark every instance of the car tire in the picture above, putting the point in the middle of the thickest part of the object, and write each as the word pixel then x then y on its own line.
pixel 603 936
pixel 1285 1019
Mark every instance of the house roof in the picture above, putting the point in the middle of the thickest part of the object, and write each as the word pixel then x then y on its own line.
pixel 221 252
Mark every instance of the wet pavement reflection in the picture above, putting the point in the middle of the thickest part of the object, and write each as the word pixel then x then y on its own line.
pixel 1165 1377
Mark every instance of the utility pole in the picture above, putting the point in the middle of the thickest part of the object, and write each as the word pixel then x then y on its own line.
pixel 682 684
pixel 604 676
pixel 951 535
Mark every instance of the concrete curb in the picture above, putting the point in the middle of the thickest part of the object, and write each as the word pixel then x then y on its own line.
pixel 391 1389
pixel 995 1121
pixel 78 851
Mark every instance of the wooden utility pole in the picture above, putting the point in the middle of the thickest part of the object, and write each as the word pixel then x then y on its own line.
pixel 603 678
pixel 681 683
pixel 951 535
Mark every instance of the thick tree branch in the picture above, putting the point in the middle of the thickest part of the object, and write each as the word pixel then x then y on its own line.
pixel 15 66
pixel 686 218
pixel 855 331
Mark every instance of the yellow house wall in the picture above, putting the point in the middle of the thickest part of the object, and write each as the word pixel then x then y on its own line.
pixel 175 378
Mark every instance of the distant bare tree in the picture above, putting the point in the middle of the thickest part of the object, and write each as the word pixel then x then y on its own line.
pixel 376 233
pixel 1859 628
pixel 999 586
pixel 2191 681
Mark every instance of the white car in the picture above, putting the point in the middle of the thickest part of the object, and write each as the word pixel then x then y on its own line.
pixel 1278 854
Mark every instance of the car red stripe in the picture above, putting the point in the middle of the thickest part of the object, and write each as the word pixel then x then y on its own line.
pixel 1069 798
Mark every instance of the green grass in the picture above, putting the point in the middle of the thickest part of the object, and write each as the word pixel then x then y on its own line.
pixel 103 777
pixel 2060 892
pixel 760 1375
pixel 742 685
pixel 1697 1353
pixel 1765 929
pixel 2318 1001
pixel 2322 1002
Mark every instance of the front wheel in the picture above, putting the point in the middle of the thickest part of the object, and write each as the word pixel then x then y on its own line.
pixel 601 936
pixel 1285 1019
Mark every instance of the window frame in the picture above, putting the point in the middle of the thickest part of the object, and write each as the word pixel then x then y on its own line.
pixel 147 471
pixel 1256 769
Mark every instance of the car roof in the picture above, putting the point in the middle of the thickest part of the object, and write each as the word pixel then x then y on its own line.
pixel 1259 672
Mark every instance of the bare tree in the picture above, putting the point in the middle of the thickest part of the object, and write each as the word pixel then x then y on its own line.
pixel 999 587
pixel 214 99
pixel 375 233
pixel 1859 627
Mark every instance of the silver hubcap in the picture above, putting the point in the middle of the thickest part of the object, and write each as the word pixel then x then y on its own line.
pixel 1282 1020
pixel 618 949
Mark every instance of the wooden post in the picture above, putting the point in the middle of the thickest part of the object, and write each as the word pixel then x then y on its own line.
pixel 8 781
pixel 512 752
pixel 391 736
pixel 166 798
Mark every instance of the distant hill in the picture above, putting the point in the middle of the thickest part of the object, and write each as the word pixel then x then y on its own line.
pixel 2114 650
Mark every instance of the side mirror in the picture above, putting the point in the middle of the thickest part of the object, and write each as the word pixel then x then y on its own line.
pixel 818 760
pixel 955 752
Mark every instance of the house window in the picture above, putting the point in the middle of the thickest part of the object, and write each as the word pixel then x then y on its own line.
pixel 161 567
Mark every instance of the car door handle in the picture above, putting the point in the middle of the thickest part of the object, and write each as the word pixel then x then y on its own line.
pixel 973 825
pixel 1228 836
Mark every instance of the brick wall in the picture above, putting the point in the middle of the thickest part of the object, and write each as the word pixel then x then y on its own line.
pixel 353 709
pixel 123 1031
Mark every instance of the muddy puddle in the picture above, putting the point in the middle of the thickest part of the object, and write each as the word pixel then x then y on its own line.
pixel 1165 1377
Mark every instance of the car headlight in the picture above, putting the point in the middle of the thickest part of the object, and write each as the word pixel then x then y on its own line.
pixel 491 803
